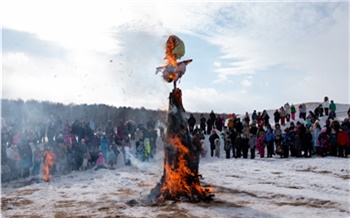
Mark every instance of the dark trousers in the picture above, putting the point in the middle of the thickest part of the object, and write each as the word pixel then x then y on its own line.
pixel 341 151
pixel 252 153
pixel 270 149
pixel 285 151
pixel 227 154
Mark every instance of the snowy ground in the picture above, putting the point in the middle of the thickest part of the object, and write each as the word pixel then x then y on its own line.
pixel 263 187
pixel 274 187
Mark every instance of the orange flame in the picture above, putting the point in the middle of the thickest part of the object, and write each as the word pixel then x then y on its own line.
pixel 171 58
pixel 48 165
pixel 177 176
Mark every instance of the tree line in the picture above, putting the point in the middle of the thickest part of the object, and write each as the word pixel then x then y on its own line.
pixel 33 112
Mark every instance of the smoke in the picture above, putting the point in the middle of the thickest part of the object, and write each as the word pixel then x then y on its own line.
pixel 149 166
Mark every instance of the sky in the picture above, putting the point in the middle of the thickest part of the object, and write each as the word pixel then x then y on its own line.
pixel 246 55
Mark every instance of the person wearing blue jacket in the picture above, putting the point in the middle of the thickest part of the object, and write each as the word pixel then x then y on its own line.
pixel 269 139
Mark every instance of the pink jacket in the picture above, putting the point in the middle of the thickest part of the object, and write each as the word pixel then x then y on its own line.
pixel 100 160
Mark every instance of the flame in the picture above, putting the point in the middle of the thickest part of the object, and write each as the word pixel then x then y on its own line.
pixel 169 56
pixel 177 177
pixel 48 165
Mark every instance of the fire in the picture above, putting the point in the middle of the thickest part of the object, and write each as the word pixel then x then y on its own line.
pixel 48 165
pixel 178 178
pixel 170 46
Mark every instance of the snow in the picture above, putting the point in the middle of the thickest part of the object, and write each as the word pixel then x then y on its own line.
pixel 261 187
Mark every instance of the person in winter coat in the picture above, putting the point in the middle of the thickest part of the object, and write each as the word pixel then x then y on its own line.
pixel 295 148
pixel 278 138
pixel 307 144
pixel 210 125
pixel 324 141
pixel 319 111
pixel 254 117
pixel 265 117
pixel 287 142
pixel 233 136
pixel 315 131
pixel 325 105
pixel 260 144
pixel 202 122
pixel 212 138
pixel 246 119
pixel 287 109
pixel 252 145
pixel 331 115
pixel 245 146
pixel 100 163
pixel 276 116
pixel 333 149
pixel 218 123
pixel 304 110
pixel 191 122
pixel 293 111
pixel 269 141
pixel 333 107
pixel 343 142
pixel 227 146
pixel 238 145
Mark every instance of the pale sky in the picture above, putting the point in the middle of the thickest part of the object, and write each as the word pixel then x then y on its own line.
pixel 246 55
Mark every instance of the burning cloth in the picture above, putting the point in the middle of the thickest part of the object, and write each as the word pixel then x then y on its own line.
pixel 173 70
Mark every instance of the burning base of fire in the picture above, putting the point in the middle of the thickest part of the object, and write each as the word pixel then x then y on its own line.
pixel 180 180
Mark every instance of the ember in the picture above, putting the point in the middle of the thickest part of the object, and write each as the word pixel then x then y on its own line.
pixel 180 180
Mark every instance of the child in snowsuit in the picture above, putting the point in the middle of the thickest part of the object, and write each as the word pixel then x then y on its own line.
pixel 260 144
pixel 100 162
pixel 252 144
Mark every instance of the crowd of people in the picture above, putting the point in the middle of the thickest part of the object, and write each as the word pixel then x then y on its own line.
pixel 316 133
pixel 78 146
pixel 74 146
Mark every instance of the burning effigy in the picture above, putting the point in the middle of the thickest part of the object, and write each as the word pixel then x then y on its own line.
pixel 173 70
pixel 181 179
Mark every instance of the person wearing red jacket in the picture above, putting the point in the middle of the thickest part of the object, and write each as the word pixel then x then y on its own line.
pixel 343 142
